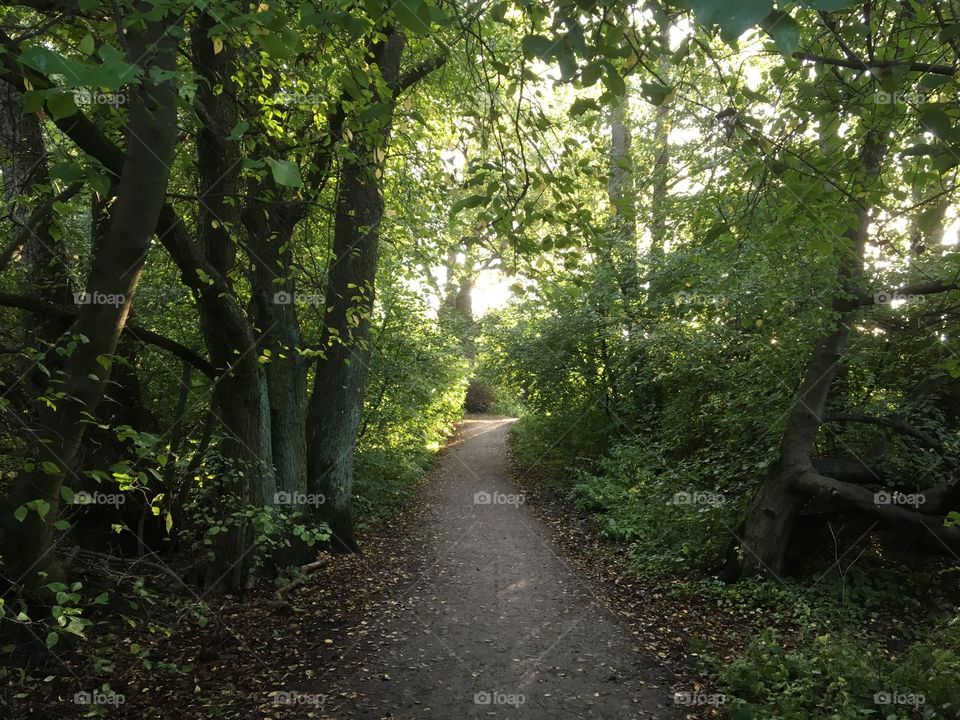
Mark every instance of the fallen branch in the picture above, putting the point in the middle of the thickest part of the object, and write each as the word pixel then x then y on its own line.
pixel 304 572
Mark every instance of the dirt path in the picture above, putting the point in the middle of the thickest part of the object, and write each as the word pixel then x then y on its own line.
pixel 494 624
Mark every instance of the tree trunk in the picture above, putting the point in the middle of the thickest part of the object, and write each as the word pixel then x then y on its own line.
pixel 770 523
pixel 337 399
pixel 622 196
pixel 118 259
pixel 241 398
pixel 660 178
pixel 42 257
pixel 270 226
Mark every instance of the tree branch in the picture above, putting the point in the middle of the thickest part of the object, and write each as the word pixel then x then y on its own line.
pixel 860 65
pixel 23 233
pixel 420 71
pixel 897 425
pixel 932 287
pixel 864 500
pixel 142 334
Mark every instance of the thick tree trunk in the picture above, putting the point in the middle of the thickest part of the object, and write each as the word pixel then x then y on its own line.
pixel 240 400
pixel 28 545
pixel 770 523
pixel 270 227
pixel 337 399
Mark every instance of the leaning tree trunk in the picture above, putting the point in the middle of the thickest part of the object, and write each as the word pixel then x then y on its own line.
pixel 770 523
pixel 28 544
pixel 337 399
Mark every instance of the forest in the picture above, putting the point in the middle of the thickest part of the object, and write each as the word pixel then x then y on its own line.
pixel 480 358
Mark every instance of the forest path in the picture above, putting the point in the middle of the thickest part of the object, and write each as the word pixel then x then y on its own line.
pixel 495 624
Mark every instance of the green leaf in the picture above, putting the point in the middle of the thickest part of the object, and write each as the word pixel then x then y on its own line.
pixel 718 229
pixel 919 149
pixel 33 101
pixel 784 31
pixel 591 73
pixel 949 32
pixel 468 202
pixel 410 14
pixel 112 73
pixel 821 245
pixel 52 639
pixel 238 130
pixel 581 105
pixel 285 173
pixel 87 44
pixel 61 106
pixel 67 172
pixel 930 219
pixel 538 46
pixel 274 46
pixel 375 8
pixel 613 81
pixel 375 112
pixel 935 81
pixel 20 513
pixel 655 92
pixel 733 16
pixel 76 626
pixel 936 121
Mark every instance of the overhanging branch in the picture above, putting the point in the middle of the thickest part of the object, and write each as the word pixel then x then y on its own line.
pixel 142 334
pixel 854 64
pixel 896 425
pixel 863 500
pixel 420 71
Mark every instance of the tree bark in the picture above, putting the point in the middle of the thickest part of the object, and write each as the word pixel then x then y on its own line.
pixel 240 398
pixel 270 225
pixel 337 398
pixel 151 133
pixel 770 523
pixel 622 196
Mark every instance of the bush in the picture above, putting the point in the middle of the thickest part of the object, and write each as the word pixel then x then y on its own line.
pixel 844 678
pixel 674 514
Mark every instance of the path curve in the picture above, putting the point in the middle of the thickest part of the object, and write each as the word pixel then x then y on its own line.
pixel 496 624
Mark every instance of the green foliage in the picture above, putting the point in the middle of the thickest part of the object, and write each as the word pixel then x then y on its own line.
pixel 841 677
pixel 416 388
pixel 674 514
pixel 653 366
